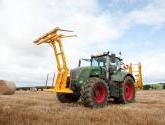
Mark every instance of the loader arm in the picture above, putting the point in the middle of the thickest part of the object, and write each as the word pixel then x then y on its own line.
pixel 54 40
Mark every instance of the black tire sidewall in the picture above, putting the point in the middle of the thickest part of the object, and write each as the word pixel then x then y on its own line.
pixel 67 98
pixel 128 79
pixel 87 93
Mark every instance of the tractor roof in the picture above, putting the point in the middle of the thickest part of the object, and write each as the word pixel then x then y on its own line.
pixel 106 54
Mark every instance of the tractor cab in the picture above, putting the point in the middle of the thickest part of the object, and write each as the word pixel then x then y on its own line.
pixel 107 61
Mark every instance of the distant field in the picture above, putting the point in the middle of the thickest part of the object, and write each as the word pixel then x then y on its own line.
pixel 41 108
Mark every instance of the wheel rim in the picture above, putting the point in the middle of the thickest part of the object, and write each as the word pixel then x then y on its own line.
pixel 100 93
pixel 129 91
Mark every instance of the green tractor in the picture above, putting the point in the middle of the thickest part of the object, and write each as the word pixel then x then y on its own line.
pixel 99 82
pixel 94 84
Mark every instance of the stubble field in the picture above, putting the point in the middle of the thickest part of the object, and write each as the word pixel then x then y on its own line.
pixel 42 108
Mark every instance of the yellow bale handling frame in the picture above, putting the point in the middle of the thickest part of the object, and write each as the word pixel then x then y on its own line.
pixel 54 40
pixel 135 69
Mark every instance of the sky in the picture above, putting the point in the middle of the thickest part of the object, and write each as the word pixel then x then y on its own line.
pixel 134 27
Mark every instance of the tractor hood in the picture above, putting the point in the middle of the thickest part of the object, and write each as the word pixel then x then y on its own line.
pixel 81 74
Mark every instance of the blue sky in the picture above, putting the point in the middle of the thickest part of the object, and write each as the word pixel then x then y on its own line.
pixel 134 27
pixel 122 5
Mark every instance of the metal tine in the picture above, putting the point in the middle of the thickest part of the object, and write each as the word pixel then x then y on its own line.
pixel 66 30
pixel 45 35
pixel 52 31
pixel 65 36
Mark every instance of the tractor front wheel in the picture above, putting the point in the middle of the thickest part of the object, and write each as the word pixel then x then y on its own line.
pixel 67 97
pixel 94 93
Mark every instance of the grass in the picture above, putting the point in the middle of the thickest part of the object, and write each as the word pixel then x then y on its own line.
pixel 41 108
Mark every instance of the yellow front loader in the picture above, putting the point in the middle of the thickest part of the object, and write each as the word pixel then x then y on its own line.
pixel 54 39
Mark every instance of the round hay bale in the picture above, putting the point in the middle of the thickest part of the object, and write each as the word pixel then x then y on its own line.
pixel 7 87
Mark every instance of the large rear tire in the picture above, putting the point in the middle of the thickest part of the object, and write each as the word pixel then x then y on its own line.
pixel 67 97
pixel 127 91
pixel 94 93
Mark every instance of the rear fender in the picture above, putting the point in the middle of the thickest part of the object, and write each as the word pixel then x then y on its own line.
pixel 116 80
pixel 119 76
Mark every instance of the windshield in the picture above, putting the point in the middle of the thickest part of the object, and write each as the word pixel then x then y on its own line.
pixel 99 61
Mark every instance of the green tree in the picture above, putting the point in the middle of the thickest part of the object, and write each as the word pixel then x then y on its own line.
pixel 164 86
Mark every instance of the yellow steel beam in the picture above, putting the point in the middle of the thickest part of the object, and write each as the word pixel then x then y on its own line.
pixel 139 79
pixel 54 40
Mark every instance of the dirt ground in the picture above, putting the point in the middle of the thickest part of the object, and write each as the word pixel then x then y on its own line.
pixel 42 108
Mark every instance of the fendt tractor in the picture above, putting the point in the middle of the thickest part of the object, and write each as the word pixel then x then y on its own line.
pixel 95 84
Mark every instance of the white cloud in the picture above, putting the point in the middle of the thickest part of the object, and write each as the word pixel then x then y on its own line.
pixel 153 15
pixel 22 21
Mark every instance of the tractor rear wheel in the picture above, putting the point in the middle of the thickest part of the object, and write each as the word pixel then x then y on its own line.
pixel 94 93
pixel 127 91
pixel 67 97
